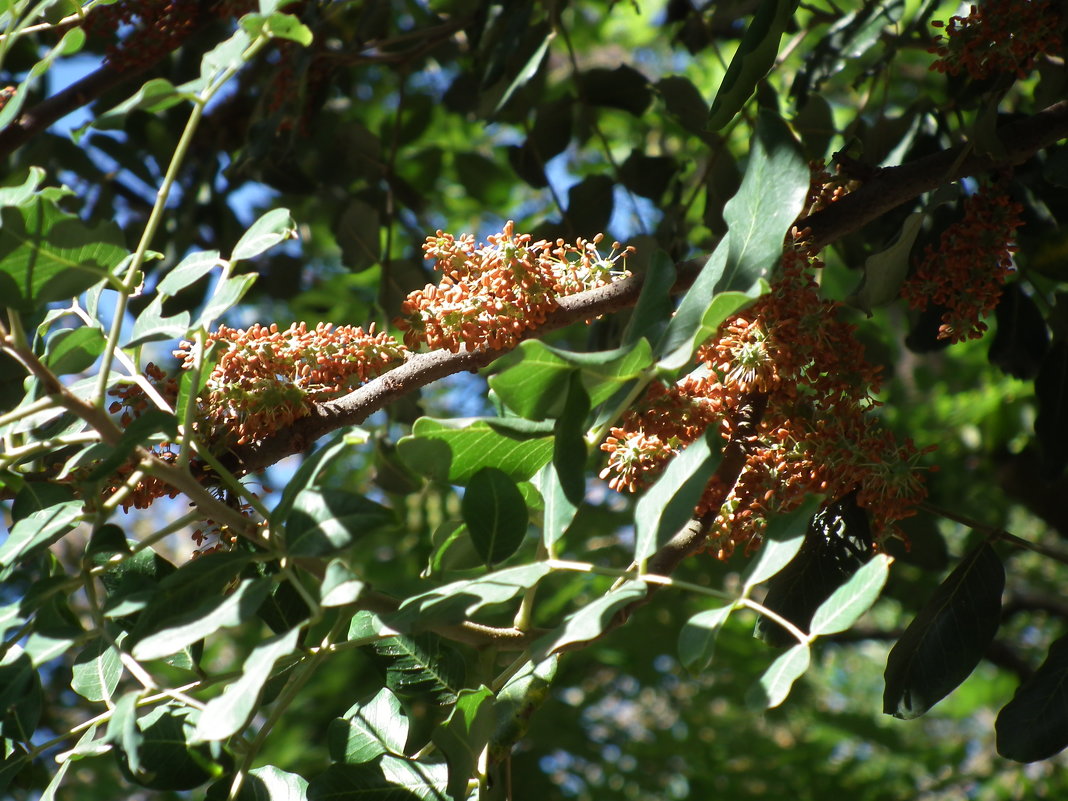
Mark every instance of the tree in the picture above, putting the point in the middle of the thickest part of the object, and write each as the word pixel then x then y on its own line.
pixel 547 485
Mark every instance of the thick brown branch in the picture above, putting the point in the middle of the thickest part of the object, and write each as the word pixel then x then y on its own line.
pixel 894 186
pixel 425 368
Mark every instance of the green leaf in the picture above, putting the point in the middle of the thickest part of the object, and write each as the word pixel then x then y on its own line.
pixel 47 255
pixel 188 271
pixel 206 618
pixel 669 503
pixel 452 451
pixel 654 304
pixel 72 350
pixel 340 585
pixel 697 638
pixel 263 784
pixel 783 538
pixel 698 317
pixel 1030 727
pixel 534 379
pixel 569 441
pixel 777 680
pixel 21 695
pixel 527 71
pixel 462 600
pixel 152 325
pixel 156 95
pixel 949 636
pixel 388 779
pixel 516 703
pixel 37 531
pixel 464 736
pixel 358 234
pixel 139 432
pixel 229 713
pixel 885 271
pixel 323 521
pixel 271 228
pixel 166 761
pixel 852 599
pixel 306 476
pixel 589 622
pixel 772 194
pixel 228 54
pixel 495 513
pixel 278 26
pixel 226 295
pixel 752 60
pixel 96 671
pixel 123 731
pixel 17 194
pixel 368 730
pixel 1051 421
pixel 836 543
pixel 558 512
pixel 623 88
pixel 684 102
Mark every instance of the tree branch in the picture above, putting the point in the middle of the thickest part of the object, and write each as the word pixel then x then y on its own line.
pixel 425 368
pixel 894 186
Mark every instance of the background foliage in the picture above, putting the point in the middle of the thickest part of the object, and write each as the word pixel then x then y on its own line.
pixel 444 600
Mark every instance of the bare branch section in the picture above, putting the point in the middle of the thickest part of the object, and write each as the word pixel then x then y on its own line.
pixel 894 186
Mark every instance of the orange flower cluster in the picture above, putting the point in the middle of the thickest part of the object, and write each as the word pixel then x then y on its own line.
pixel 490 295
pixel 266 378
pixel 997 37
pixel 817 434
pixel 967 271
pixel 140 32
pixel 148 488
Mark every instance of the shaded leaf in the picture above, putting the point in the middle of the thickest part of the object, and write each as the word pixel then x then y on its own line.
pixel 754 57
pixel 589 622
pixel 166 762
pixel 463 737
pixel 358 235
pixel 1021 340
pixel 517 701
pixel 623 88
pixel 1032 726
pixel 569 441
pixel 206 618
pixel 949 636
pixel 495 513
pixel 388 779
pixel 885 271
pixel 227 714
pixel 783 538
pixel 325 521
